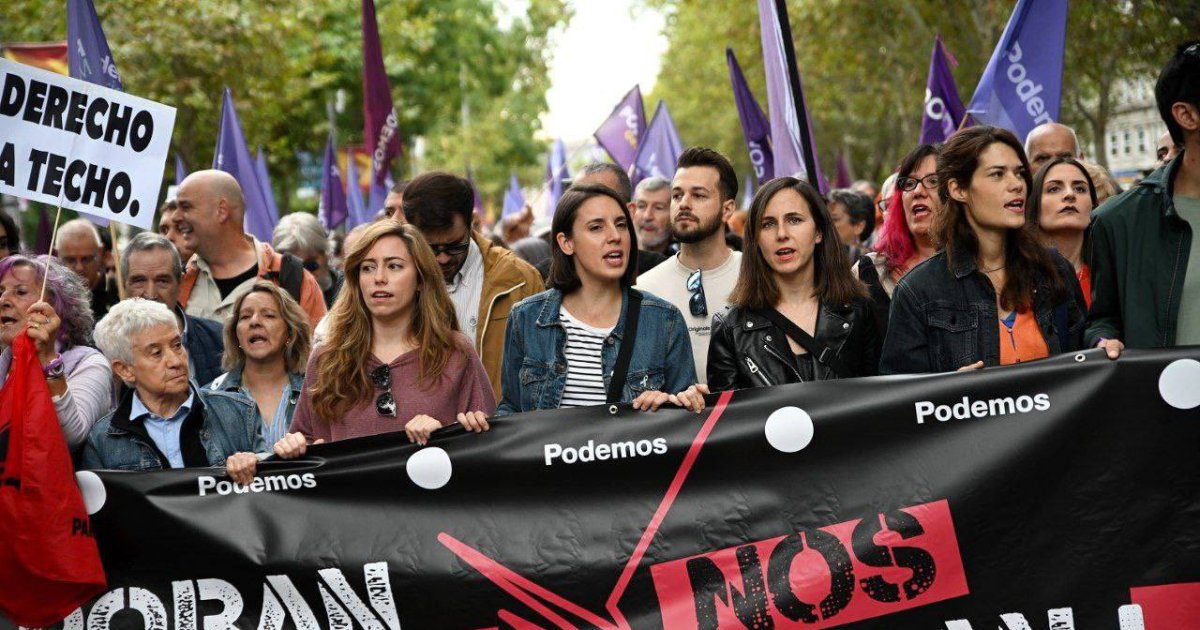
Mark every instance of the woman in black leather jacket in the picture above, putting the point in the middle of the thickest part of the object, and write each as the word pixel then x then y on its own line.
pixel 798 313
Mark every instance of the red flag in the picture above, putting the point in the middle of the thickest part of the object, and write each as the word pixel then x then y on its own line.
pixel 49 562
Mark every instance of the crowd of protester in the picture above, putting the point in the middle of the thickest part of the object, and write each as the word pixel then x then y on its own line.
pixel 201 346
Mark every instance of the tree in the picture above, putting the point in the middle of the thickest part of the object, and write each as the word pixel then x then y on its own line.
pixel 286 61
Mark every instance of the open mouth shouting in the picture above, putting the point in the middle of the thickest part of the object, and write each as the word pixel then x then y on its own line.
pixel 258 340
pixel 785 254
pixel 921 211
pixel 1016 206
pixel 614 259
pixel 381 296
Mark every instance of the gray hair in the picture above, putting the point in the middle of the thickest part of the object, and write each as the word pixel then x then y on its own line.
pixel 114 333
pixel 652 184
pixel 625 188
pixel 299 231
pixel 145 242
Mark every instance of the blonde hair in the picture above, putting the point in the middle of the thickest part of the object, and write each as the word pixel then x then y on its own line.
pixel 299 332
pixel 341 375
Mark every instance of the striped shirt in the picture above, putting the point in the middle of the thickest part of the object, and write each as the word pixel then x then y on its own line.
pixel 585 373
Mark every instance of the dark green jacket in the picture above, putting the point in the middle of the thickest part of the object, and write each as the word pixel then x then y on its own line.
pixel 1139 256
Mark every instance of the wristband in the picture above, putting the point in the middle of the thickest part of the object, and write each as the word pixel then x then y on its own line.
pixel 55 369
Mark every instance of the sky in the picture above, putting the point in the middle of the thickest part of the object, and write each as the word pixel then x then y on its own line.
pixel 588 74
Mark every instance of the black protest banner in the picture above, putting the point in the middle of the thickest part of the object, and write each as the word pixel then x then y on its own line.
pixel 1060 494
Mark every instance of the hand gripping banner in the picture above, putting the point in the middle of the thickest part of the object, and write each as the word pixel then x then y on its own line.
pixel 1060 494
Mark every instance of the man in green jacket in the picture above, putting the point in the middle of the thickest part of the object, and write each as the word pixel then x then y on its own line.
pixel 1145 262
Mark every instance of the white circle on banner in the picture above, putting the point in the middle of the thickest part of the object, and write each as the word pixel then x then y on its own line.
pixel 1179 384
pixel 430 468
pixel 789 429
pixel 92 490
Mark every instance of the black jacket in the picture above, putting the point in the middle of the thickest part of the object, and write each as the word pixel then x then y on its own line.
pixel 945 317
pixel 748 350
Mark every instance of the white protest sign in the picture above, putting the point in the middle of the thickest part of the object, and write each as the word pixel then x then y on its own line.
pixel 100 151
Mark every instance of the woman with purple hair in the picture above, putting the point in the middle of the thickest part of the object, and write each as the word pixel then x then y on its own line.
pixel 79 377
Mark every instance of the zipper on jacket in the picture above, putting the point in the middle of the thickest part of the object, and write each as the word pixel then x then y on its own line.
pixel 790 366
pixel 757 372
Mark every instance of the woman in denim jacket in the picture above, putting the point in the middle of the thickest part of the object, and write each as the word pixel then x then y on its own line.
pixel 561 345
pixel 993 295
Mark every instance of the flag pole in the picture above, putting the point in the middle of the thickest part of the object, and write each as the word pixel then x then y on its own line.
pixel 50 252
pixel 112 233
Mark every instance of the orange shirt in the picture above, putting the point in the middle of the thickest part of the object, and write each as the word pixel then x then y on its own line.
pixel 1085 283
pixel 1021 339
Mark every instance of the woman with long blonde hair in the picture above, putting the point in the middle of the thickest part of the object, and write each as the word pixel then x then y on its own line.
pixel 393 358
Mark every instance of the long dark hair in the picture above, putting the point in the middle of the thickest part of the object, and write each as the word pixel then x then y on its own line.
pixel 562 268
pixel 1033 206
pixel 832 280
pixel 1025 258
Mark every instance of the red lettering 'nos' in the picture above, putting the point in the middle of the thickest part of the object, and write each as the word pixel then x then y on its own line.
pixel 818 578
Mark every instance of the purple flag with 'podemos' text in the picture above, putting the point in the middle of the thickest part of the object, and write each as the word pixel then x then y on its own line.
pixel 755 126
pixel 381 131
pixel 88 55
pixel 621 133
pixel 1021 87
pixel 943 108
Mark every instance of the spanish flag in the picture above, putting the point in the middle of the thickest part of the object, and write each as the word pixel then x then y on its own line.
pixel 50 56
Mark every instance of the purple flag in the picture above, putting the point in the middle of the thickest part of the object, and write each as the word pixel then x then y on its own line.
pixel 264 181
pixel 792 143
pixel 88 55
pixel 332 209
pixel 381 134
pixel 755 126
pixel 514 199
pixel 844 180
pixel 622 131
pixel 943 108
pixel 233 157
pixel 477 202
pixel 356 208
pixel 377 195
pixel 556 173
pixel 660 148
pixel 1021 87
pixel 45 232
pixel 180 171
pixel 747 192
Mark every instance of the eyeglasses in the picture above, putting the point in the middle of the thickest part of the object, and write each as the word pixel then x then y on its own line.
pixel 697 304
pixel 909 184
pixel 457 249
pixel 882 204
pixel 381 377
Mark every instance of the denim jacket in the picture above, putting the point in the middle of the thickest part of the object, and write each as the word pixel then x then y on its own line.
pixel 230 424
pixel 944 317
pixel 535 366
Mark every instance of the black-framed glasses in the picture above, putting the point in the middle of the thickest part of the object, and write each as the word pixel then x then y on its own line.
pixel 381 378
pixel 457 249
pixel 882 204
pixel 697 304
pixel 909 184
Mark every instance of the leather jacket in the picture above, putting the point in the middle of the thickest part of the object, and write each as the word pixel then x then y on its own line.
pixel 748 350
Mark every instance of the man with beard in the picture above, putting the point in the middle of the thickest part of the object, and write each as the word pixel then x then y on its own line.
pixel 699 278
pixel 652 215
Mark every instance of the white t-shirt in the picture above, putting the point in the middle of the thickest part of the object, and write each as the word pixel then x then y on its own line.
pixel 669 282
pixel 585 371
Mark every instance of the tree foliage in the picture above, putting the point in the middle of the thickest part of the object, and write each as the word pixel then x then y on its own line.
pixel 286 62
pixel 864 65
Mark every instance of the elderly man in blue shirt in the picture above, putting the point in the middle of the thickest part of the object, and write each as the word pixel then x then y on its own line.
pixel 166 420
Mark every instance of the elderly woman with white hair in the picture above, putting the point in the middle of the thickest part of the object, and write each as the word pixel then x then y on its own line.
pixel 165 420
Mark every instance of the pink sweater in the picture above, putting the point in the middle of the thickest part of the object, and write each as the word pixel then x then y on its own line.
pixel 464 386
